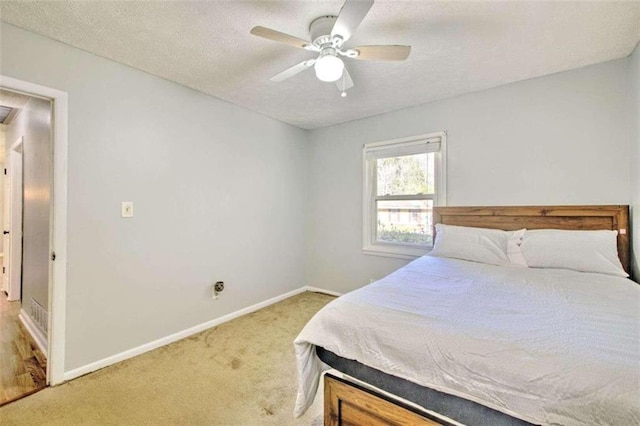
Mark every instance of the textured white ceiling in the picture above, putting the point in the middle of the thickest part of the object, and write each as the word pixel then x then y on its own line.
pixel 457 47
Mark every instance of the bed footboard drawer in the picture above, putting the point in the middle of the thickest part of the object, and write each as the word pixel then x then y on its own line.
pixel 346 404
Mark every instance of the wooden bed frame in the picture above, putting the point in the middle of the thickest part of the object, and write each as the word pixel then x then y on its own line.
pixel 347 403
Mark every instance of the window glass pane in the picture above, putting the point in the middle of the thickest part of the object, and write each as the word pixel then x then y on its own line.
pixel 404 222
pixel 408 174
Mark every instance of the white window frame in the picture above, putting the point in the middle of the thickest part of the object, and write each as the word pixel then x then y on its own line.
pixel 404 251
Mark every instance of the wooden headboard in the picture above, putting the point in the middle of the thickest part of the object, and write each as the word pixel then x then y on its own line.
pixel 614 218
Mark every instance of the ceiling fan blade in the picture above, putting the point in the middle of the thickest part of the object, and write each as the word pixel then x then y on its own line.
pixel 383 53
pixel 351 14
pixel 279 37
pixel 345 82
pixel 290 72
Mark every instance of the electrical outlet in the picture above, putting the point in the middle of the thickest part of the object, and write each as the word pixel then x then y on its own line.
pixel 216 289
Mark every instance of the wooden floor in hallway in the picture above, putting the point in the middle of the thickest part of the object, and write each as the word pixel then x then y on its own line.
pixel 22 364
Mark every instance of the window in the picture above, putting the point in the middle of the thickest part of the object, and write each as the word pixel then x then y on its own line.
pixel 403 180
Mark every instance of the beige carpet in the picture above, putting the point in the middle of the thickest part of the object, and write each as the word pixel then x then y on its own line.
pixel 239 373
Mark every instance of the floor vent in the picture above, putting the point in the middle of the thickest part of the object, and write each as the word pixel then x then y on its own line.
pixel 40 316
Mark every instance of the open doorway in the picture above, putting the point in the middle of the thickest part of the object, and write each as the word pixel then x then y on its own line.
pixel 58 230
pixel 27 129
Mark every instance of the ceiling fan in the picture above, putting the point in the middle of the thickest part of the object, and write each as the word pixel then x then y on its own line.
pixel 328 35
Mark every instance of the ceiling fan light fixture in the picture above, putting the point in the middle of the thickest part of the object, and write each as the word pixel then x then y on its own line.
pixel 328 66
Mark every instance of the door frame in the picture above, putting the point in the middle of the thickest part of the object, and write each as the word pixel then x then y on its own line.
pixel 14 261
pixel 58 225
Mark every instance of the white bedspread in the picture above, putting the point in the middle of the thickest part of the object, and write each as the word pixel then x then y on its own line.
pixel 547 346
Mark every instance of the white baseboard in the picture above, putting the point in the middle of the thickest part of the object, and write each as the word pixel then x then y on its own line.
pixel 105 362
pixel 322 290
pixel 36 333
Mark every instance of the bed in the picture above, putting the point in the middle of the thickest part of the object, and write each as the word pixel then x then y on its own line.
pixel 476 343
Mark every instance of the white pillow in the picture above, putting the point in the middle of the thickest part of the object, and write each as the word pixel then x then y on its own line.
pixel 475 244
pixel 514 253
pixel 585 251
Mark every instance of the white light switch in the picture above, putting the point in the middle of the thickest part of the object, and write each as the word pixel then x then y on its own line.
pixel 127 209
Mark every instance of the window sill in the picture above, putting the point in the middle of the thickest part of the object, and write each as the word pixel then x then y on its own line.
pixel 408 253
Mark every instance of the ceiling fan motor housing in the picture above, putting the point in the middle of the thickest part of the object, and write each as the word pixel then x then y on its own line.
pixel 320 31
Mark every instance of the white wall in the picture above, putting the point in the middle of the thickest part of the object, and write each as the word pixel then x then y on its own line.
pixel 219 193
pixel 634 90
pixel 33 123
pixel 560 139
